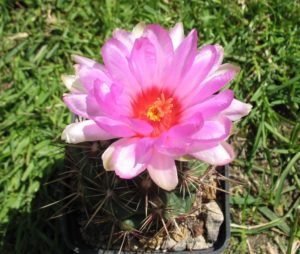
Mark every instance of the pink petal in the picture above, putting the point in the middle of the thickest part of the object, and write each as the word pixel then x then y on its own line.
pixel 163 171
pixel 237 110
pixel 115 127
pixel 177 140
pixel 84 131
pixel 212 106
pixel 92 106
pixel 124 127
pixel 114 56
pixel 218 59
pixel 159 37
pixel 116 107
pixel 125 37
pixel 214 130
pixel 162 43
pixel 216 81
pixel 177 35
pixel 77 103
pixel 196 146
pixel 73 84
pixel 219 155
pixel 109 99
pixel 140 126
pixel 171 146
pixel 121 157
pixel 144 149
pixel 181 61
pixel 205 61
pixel 83 60
pixel 143 62
pixel 188 127
pixel 88 76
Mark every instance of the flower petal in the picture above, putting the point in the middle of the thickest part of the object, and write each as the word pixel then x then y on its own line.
pixel 178 140
pixel 206 60
pixel 83 60
pixel 162 43
pixel 214 130
pixel 188 127
pixel 107 158
pixel 123 126
pixel 125 37
pixel 111 99
pixel 237 110
pixel 181 61
pixel 144 149
pixel 116 127
pixel 173 147
pixel 88 76
pixel 73 84
pixel 92 107
pixel 177 35
pixel 218 58
pixel 143 62
pixel 159 37
pixel 115 58
pixel 84 131
pixel 138 30
pixel 215 82
pixel 219 155
pixel 77 103
pixel 212 106
pixel 140 126
pixel 162 170
pixel 121 157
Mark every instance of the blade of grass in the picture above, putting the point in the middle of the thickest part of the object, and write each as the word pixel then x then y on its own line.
pixel 280 182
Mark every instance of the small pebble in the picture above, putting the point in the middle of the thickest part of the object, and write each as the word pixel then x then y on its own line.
pixel 190 242
pixel 180 246
pixel 168 244
pixel 214 219
pixel 200 243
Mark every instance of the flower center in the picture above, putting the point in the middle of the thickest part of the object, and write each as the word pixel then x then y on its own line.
pixel 159 108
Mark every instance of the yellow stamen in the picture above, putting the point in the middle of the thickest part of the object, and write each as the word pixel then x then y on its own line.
pixel 160 108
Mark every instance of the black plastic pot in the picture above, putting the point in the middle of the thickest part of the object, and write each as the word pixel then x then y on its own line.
pixel 74 242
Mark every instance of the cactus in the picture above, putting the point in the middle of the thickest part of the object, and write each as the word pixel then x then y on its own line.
pixel 127 213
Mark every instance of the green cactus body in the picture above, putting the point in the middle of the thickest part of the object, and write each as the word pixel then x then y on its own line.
pixel 113 209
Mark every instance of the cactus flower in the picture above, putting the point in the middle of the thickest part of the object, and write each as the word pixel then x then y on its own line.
pixel 159 95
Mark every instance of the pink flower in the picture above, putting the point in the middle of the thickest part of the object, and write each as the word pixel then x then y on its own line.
pixel 157 93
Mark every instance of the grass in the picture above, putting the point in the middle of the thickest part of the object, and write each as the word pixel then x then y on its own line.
pixel 36 41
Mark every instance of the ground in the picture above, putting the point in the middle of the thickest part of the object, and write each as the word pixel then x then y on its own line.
pixel 37 39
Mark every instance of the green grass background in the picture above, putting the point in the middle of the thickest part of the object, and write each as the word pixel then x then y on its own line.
pixel 37 39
